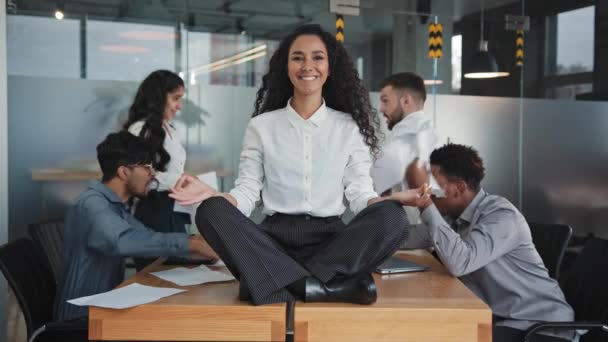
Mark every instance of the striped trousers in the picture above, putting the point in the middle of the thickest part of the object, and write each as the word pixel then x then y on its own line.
pixel 285 248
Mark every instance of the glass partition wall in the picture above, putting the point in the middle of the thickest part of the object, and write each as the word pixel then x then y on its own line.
pixel 70 83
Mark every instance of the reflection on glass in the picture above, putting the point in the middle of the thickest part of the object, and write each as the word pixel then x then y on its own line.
pixel 126 51
pixel 226 59
pixel 569 91
pixel 39 46
pixel 456 62
pixel 575 40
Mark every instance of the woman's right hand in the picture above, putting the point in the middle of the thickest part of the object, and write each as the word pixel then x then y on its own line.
pixel 190 190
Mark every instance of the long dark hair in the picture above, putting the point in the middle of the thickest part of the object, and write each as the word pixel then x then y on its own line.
pixel 342 91
pixel 149 106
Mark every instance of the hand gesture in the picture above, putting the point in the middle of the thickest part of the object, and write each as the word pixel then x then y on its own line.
pixel 419 197
pixel 189 190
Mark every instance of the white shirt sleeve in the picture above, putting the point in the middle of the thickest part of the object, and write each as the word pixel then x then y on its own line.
pixel 136 128
pixel 250 181
pixel 389 168
pixel 358 184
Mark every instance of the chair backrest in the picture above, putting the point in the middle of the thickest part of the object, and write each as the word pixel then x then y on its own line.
pixel 551 241
pixel 49 236
pixel 586 286
pixel 28 274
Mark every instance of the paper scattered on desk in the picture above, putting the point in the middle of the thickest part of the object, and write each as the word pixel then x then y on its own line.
pixel 219 263
pixel 183 276
pixel 126 297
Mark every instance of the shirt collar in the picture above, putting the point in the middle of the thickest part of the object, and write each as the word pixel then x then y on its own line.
pixel 105 191
pixel 467 214
pixel 411 123
pixel 317 118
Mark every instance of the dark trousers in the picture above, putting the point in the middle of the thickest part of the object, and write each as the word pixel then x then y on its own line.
pixel 155 211
pixel 506 334
pixel 286 248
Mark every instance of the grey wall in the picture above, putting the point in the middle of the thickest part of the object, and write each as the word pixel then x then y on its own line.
pixel 566 164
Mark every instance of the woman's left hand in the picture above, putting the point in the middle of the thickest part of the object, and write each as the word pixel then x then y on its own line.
pixel 189 190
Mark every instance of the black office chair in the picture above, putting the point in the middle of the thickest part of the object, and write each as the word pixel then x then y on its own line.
pixel 28 274
pixel 551 241
pixel 585 290
pixel 48 236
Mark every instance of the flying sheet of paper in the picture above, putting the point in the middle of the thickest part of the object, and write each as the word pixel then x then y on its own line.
pixel 425 143
pixel 211 179
pixel 126 297
pixel 183 276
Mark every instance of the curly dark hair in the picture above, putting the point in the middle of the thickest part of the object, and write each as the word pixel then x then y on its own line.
pixel 460 162
pixel 343 90
pixel 123 149
pixel 149 105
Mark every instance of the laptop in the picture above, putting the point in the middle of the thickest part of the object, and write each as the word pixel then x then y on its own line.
pixel 397 265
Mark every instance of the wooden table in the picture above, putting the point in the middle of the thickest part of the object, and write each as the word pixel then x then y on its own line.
pixel 423 306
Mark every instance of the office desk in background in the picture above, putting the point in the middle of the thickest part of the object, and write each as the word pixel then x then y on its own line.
pixel 424 306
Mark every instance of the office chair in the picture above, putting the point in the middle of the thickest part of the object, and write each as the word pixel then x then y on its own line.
pixel 551 241
pixel 48 235
pixel 585 290
pixel 28 274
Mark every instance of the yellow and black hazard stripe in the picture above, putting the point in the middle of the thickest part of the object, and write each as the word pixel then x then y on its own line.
pixel 519 47
pixel 435 40
pixel 340 28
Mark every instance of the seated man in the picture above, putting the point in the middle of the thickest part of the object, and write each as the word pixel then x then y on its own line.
pixel 485 241
pixel 100 232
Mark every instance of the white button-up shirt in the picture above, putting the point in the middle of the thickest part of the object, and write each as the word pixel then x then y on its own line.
pixel 175 166
pixel 411 138
pixel 304 166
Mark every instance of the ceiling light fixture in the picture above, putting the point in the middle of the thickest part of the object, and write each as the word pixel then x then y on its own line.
pixel 59 15
pixel 432 82
pixel 483 64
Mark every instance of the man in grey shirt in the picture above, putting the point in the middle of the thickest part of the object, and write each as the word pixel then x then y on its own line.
pixel 100 232
pixel 485 242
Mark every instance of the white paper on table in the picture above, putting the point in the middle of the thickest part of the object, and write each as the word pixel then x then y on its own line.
pixel 211 179
pixel 219 263
pixel 192 276
pixel 126 297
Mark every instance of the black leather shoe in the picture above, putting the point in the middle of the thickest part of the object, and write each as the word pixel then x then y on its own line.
pixel 358 288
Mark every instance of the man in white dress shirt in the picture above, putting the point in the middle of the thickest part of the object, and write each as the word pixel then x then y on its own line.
pixel 411 136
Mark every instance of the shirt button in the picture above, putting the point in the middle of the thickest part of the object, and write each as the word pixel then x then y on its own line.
pixel 307 157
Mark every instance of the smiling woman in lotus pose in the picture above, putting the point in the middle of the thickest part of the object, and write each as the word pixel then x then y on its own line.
pixel 306 149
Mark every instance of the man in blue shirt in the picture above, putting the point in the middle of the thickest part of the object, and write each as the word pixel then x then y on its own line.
pixel 100 231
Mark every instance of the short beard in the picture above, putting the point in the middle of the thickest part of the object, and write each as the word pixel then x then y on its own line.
pixel 132 191
pixel 392 123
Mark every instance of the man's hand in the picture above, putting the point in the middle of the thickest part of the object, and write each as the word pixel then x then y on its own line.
pixel 189 190
pixel 416 175
pixel 199 247
pixel 419 197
